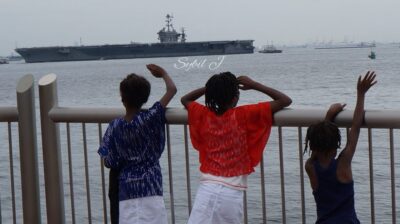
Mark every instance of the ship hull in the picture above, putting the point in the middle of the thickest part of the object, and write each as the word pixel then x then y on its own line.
pixel 327 48
pixel 270 51
pixel 127 51
pixel 362 45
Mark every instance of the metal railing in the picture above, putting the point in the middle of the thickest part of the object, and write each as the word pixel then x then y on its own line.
pixel 9 115
pixel 266 200
pixel 24 114
pixel 289 123
pixel 52 115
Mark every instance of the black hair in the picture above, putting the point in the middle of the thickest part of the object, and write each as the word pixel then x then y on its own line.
pixel 135 91
pixel 220 90
pixel 323 136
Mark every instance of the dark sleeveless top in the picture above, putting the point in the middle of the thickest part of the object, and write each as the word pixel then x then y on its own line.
pixel 335 200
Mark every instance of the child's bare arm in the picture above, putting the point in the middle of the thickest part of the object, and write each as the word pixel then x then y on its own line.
pixel 309 167
pixel 333 111
pixel 347 154
pixel 280 100
pixel 171 90
pixel 192 96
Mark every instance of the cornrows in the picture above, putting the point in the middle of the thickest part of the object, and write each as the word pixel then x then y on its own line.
pixel 323 136
pixel 220 91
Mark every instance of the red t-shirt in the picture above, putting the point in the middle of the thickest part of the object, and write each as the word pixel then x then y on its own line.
pixel 230 144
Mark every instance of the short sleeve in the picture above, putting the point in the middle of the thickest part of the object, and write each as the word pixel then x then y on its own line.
pixel 107 149
pixel 156 113
pixel 196 115
pixel 259 122
pixel 259 114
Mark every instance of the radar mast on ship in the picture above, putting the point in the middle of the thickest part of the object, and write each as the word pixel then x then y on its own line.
pixel 168 34
pixel 183 35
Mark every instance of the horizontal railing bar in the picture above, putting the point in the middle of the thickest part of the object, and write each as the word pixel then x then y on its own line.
pixel 286 118
pixel 105 115
pixel 306 117
pixel 8 114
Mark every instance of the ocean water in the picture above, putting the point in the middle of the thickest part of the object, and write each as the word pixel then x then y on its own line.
pixel 312 78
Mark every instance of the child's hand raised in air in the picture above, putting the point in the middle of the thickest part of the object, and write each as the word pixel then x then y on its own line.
pixel 156 70
pixel 246 83
pixel 364 84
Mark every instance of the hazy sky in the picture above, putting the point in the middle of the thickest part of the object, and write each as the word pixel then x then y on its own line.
pixel 27 23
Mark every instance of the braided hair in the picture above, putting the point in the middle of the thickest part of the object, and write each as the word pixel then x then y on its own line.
pixel 323 136
pixel 220 92
pixel 135 91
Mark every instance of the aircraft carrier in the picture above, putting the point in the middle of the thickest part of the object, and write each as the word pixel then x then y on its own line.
pixel 172 44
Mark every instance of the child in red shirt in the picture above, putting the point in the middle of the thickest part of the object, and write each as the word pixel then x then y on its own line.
pixel 230 141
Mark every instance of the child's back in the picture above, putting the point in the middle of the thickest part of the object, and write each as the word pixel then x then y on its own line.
pixel 331 178
pixel 132 146
pixel 230 144
pixel 230 141
pixel 332 194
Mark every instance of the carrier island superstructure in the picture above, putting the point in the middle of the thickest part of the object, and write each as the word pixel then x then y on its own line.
pixel 172 44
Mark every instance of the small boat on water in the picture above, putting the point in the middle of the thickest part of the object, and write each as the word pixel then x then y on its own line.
pixel 3 61
pixel 269 49
pixel 13 57
pixel 372 55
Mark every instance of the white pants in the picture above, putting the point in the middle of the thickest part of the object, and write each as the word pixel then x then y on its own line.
pixel 149 210
pixel 217 204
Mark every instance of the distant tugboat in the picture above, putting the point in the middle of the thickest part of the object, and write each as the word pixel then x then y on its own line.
pixel 372 55
pixel 269 49
pixel 3 61
pixel 172 44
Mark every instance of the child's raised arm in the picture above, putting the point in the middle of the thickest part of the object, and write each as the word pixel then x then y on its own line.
pixel 346 156
pixel 192 96
pixel 280 100
pixel 159 72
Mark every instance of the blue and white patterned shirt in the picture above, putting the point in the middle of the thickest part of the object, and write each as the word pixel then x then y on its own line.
pixel 135 148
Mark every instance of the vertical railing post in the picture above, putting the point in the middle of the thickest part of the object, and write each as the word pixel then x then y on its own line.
pixel 28 150
pixel 11 158
pixel 171 184
pixel 51 151
pixel 392 175
pixel 371 175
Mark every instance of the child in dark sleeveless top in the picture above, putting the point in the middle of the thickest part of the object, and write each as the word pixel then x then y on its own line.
pixel 331 179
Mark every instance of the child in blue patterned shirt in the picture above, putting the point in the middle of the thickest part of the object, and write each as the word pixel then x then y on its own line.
pixel 133 145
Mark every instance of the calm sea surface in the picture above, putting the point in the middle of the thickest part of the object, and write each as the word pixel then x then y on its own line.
pixel 312 78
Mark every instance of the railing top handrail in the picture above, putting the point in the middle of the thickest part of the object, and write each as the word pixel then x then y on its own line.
pixel 8 114
pixel 106 114
pixel 288 117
